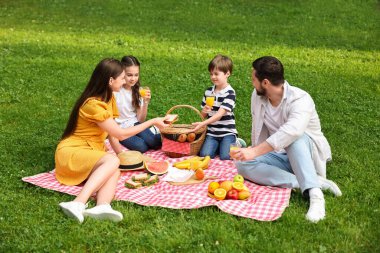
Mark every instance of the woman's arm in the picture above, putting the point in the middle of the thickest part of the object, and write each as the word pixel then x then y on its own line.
pixel 116 146
pixel 113 129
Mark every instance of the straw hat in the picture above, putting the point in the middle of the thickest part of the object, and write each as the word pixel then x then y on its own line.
pixel 131 160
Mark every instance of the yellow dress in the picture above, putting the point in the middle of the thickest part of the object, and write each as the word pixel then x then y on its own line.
pixel 76 156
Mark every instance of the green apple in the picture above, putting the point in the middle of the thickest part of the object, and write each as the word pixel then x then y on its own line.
pixel 239 178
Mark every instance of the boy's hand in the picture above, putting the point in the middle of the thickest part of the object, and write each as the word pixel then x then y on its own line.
pixel 206 109
pixel 198 125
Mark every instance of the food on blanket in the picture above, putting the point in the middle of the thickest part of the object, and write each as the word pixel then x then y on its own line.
pixel 190 137
pixel 151 181
pixel 220 194
pixel 171 118
pixel 232 194
pixel 205 162
pixel 226 185
pixel 185 164
pixel 130 184
pixel 157 168
pixel 244 194
pixel 194 165
pixel 239 178
pixel 140 177
pixel 182 138
pixel 212 187
pixel 199 174
pixel 239 186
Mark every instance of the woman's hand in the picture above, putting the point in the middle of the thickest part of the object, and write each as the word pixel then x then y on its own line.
pixel 159 122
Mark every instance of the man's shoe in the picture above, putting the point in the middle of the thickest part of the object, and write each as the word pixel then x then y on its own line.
pixel 330 186
pixel 317 206
pixel 73 209
pixel 104 212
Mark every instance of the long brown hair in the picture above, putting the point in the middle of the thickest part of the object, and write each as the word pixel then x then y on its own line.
pixel 98 87
pixel 128 61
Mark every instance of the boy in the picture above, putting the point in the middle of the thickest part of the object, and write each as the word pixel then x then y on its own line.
pixel 220 119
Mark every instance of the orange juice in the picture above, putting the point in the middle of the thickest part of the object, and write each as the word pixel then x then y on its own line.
pixel 142 92
pixel 210 101
pixel 233 147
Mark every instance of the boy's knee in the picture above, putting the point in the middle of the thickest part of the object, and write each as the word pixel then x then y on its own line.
pixel 224 157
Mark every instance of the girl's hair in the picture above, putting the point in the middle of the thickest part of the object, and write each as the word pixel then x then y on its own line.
pixel 98 87
pixel 222 63
pixel 128 61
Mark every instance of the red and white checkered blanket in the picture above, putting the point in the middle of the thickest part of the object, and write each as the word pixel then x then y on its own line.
pixel 265 203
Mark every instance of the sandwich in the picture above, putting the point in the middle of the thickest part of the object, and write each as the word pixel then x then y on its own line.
pixel 140 177
pixel 152 180
pixel 130 184
pixel 171 118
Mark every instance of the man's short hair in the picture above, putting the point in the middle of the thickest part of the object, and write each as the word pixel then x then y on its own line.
pixel 269 67
pixel 222 63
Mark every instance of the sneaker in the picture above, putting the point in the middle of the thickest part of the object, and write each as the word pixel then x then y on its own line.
pixel 242 143
pixel 104 212
pixel 73 209
pixel 329 186
pixel 316 210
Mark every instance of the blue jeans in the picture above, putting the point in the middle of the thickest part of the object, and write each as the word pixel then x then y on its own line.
pixel 143 141
pixel 293 169
pixel 217 145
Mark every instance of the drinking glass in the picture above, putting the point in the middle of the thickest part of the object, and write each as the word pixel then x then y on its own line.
pixel 233 148
pixel 143 91
pixel 210 100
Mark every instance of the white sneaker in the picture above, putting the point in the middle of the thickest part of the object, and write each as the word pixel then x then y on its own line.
pixel 73 209
pixel 330 186
pixel 317 206
pixel 104 212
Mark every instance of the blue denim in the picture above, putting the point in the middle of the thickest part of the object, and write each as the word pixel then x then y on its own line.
pixel 293 169
pixel 217 146
pixel 143 141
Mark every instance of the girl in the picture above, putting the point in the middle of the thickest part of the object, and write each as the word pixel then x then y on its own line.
pixel 133 109
pixel 81 156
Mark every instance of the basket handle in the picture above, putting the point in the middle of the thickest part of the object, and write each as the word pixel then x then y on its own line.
pixel 186 106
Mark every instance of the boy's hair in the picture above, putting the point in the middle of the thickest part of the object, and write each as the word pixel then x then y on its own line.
pixel 222 63
pixel 269 67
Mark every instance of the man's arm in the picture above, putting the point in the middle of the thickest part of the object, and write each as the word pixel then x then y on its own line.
pixel 250 153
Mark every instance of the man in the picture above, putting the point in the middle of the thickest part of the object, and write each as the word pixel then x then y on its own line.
pixel 288 147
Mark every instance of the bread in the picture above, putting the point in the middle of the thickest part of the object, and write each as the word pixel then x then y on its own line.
pixel 171 118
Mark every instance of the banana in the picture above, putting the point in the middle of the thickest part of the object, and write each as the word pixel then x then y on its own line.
pixel 182 165
pixel 195 158
pixel 205 162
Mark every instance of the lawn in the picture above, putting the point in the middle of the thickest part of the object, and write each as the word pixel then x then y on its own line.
pixel 48 50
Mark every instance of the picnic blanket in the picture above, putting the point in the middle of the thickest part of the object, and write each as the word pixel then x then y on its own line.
pixel 265 204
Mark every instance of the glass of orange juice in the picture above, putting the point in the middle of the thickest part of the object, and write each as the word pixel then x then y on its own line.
pixel 233 148
pixel 143 91
pixel 210 100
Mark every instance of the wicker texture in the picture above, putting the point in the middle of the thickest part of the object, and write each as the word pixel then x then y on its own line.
pixel 174 130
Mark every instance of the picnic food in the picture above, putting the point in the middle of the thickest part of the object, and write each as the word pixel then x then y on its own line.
pixel 239 178
pixel 233 194
pixel 226 185
pixel 239 186
pixel 199 174
pixel 212 187
pixel 193 163
pixel 171 118
pixel 220 194
pixel 140 180
pixel 191 137
pixel 182 138
pixel 244 194
pixel 157 168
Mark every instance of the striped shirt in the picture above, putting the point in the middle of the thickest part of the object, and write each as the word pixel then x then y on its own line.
pixel 223 99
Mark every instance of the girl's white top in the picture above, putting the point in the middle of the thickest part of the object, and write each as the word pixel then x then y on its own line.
pixel 127 113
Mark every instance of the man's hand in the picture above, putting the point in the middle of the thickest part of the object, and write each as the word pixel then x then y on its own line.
pixel 243 154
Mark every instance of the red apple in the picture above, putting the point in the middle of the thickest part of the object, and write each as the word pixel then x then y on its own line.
pixel 233 194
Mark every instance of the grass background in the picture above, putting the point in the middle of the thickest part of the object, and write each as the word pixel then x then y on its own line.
pixel 48 50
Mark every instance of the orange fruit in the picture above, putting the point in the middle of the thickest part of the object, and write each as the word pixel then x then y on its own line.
pixel 191 137
pixel 220 194
pixel 244 194
pixel 212 187
pixel 182 138
pixel 226 185
pixel 239 186
pixel 199 174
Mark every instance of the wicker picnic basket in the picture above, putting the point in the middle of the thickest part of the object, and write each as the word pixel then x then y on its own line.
pixel 174 130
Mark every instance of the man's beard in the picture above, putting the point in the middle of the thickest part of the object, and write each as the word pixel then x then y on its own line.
pixel 262 92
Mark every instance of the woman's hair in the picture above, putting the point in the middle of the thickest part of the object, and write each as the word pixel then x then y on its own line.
pixel 98 87
pixel 222 63
pixel 269 67
pixel 128 61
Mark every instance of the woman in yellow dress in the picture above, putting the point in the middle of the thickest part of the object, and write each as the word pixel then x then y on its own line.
pixel 81 157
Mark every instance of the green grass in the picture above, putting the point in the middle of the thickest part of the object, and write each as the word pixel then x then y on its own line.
pixel 48 50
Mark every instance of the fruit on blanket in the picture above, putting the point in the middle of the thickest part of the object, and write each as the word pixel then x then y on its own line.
pixel 195 165
pixel 226 185
pixel 212 187
pixel 220 194
pixel 232 194
pixel 199 174
pixel 157 168
pixel 242 195
pixel 239 186
pixel 182 137
pixel 239 178
pixel 190 137
pixel 205 162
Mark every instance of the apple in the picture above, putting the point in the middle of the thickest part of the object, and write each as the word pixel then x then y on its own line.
pixel 239 178
pixel 233 194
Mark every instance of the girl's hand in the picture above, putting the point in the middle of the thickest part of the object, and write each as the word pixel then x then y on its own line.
pixel 198 125
pixel 206 109
pixel 147 96
pixel 159 122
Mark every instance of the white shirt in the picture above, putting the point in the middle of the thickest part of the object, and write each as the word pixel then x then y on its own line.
pixel 128 114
